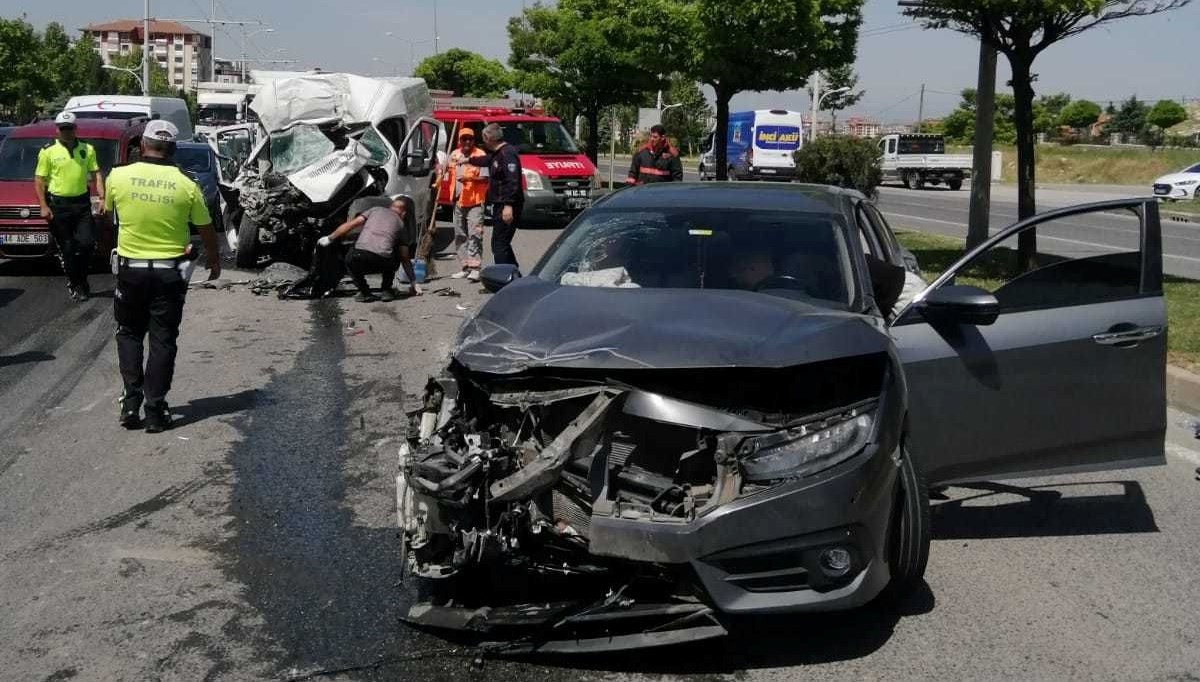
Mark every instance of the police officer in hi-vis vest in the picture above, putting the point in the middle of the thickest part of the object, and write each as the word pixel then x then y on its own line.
pixel 154 202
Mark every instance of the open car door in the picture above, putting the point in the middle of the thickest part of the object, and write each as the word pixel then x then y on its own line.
pixel 232 145
pixel 1060 367
pixel 418 159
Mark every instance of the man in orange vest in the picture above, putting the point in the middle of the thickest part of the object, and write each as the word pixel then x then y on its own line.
pixel 470 192
pixel 658 161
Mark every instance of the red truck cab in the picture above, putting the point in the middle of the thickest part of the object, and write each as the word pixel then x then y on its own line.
pixel 559 179
pixel 23 233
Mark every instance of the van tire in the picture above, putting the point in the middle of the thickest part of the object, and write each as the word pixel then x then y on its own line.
pixel 247 244
pixel 909 533
pixel 954 184
pixel 732 174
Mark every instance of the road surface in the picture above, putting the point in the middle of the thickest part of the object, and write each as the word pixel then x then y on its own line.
pixel 257 540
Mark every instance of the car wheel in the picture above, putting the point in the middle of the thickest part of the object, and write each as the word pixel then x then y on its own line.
pixel 247 244
pixel 910 532
pixel 1196 196
pixel 955 184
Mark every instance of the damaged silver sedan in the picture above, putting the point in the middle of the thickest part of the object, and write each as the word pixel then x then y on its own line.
pixel 689 411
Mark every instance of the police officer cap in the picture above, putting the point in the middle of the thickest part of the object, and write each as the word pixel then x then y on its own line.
pixel 65 119
pixel 161 130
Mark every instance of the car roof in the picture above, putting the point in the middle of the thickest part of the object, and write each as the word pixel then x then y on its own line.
pixel 724 195
pixel 95 128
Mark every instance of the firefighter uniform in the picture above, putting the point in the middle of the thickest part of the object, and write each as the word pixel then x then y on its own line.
pixel 504 189
pixel 655 165
pixel 154 201
pixel 65 172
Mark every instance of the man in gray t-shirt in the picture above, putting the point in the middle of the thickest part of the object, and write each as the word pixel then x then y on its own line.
pixel 382 245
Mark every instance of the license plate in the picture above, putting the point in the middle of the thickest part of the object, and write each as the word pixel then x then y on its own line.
pixel 576 193
pixel 578 202
pixel 767 171
pixel 25 238
pixel 1162 190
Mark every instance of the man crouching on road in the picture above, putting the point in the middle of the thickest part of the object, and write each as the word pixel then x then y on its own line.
pixel 382 245
pixel 154 202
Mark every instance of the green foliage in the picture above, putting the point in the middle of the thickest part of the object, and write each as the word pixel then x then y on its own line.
pixel 1079 114
pixel 1046 112
pixel 587 54
pixel 126 84
pixel 24 80
pixel 1166 114
pixel 835 79
pixel 686 124
pixel 1130 119
pixel 959 125
pixel 41 71
pixel 842 161
pixel 465 73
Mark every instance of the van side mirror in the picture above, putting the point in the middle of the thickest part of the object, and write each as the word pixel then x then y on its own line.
pixel 496 277
pixel 960 304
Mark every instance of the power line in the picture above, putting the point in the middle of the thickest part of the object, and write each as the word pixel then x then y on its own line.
pixel 893 106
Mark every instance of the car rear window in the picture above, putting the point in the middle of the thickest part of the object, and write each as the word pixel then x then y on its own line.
pixel 18 156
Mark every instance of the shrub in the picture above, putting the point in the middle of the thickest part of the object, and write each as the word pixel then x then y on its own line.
pixel 842 161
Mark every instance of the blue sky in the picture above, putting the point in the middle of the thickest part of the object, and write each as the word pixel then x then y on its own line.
pixel 1153 57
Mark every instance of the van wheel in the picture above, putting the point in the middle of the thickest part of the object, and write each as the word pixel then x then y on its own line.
pixel 732 174
pixel 247 244
pixel 910 532
pixel 955 184
pixel 700 172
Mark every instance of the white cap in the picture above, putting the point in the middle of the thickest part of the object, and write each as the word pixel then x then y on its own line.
pixel 64 118
pixel 159 129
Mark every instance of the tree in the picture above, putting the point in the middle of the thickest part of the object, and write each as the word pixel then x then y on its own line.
pixel 759 45
pixel 835 79
pixel 23 81
pixel 1079 114
pixel 1046 112
pixel 688 122
pixel 1166 114
pixel 588 54
pixel 1021 30
pixel 959 125
pixel 1130 119
pixel 842 161
pixel 126 84
pixel 465 73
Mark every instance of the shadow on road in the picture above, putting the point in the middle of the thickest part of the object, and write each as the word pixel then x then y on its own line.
pixel 22 358
pixel 207 408
pixel 32 267
pixel 1044 511
pixel 9 295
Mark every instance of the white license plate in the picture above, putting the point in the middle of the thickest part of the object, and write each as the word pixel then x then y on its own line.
pixel 578 202
pixel 24 238
pixel 1162 191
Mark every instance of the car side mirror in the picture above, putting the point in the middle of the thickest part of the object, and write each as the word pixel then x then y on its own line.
pixel 496 277
pixel 962 304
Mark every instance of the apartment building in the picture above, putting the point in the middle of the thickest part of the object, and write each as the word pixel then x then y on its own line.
pixel 183 52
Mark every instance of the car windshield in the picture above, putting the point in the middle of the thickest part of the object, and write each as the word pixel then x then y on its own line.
pixel 194 159
pixel 1193 169
pixel 539 137
pixel 784 253
pixel 922 145
pixel 298 147
pixel 18 156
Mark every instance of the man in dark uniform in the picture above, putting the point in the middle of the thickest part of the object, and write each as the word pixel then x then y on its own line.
pixel 154 201
pixel 61 183
pixel 505 195
pixel 658 161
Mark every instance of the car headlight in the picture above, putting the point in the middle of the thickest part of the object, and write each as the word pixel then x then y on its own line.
pixel 533 179
pixel 809 449
pixel 1186 183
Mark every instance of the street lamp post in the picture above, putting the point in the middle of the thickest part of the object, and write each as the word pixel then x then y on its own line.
pixel 835 91
pixel 132 72
pixel 245 37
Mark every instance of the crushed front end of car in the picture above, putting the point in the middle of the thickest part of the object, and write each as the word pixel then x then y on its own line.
pixel 588 504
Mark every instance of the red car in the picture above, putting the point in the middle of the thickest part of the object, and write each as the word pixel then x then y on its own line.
pixel 23 234
pixel 559 178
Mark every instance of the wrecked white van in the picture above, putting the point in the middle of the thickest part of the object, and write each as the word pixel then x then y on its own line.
pixel 321 142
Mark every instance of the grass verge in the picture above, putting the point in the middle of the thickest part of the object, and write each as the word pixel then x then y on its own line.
pixel 936 253
pixel 1097 165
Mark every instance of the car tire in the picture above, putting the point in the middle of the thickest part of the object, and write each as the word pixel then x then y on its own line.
pixel 1196 196
pixel 909 533
pixel 247 244
pixel 955 184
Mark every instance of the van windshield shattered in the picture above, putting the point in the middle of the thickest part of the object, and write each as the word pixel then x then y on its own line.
pixel 299 147
pixel 784 253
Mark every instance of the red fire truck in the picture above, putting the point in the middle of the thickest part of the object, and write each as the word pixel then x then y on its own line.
pixel 559 178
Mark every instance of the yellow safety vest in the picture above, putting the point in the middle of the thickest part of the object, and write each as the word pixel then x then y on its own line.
pixel 66 171
pixel 154 203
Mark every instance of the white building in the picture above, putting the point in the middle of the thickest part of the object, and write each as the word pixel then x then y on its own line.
pixel 184 53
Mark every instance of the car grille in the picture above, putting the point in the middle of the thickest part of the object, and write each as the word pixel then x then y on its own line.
pixel 14 212
pixel 1160 188
pixel 560 185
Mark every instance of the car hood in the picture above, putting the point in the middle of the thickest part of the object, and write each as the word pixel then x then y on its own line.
pixel 18 193
pixel 1176 177
pixel 533 323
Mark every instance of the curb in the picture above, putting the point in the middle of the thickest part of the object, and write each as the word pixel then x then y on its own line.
pixel 1183 390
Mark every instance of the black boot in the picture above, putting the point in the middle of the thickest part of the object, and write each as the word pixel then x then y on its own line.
pixel 158 418
pixel 131 411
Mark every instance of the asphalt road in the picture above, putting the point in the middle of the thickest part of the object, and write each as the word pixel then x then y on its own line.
pixel 257 540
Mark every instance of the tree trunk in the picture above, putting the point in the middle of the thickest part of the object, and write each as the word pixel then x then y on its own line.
pixel 720 138
pixel 981 173
pixel 1026 162
pixel 592 115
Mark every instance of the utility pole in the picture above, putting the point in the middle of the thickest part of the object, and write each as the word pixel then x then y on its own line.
pixel 146 50
pixel 213 22
pixel 921 109
pixel 816 98
pixel 981 173
pixel 436 49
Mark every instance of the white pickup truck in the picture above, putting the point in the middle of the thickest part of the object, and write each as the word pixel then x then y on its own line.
pixel 917 160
